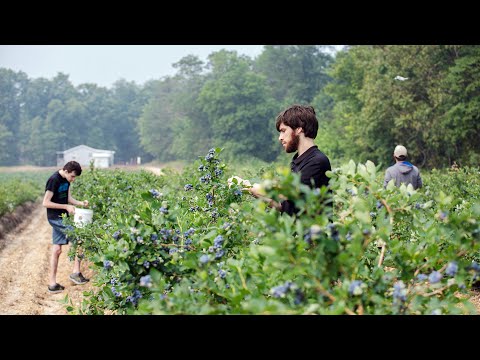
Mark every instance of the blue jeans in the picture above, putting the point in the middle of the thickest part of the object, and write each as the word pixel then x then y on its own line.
pixel 58 232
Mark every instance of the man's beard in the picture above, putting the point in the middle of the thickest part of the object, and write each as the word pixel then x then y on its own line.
pixel 292 146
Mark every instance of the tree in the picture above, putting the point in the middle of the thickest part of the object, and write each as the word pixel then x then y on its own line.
pixel 12 88
pixel 239 107
pixel 156 121
pixel 460 125
pixel 126 109
pixel 295 73
pixel 191 129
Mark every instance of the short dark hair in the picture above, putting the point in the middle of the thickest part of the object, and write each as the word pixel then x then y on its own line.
pixel 299 116
pixel 73 166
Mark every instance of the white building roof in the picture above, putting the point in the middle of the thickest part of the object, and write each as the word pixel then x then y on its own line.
pixel 88 148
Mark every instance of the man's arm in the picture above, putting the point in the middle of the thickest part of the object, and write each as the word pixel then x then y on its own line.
pixel 316 169
pixel 255 191
pixel 48 203
pixel 419 181
pixel 388 177
pixel 73 201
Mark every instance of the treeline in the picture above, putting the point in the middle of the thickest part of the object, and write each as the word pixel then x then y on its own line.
pixel 435 113
pixel 231 102
pixel 39 117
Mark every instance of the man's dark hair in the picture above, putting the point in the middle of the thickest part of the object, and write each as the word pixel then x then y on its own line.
pixel 299 116
pixel 73 166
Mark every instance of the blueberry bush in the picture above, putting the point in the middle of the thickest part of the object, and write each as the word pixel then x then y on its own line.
pixel 189 244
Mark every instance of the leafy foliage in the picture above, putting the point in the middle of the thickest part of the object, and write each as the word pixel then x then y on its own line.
pixel 189 244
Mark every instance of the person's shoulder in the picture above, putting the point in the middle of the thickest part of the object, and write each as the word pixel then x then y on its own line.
pixel 318 158
pixel 54 175
pixel 317 153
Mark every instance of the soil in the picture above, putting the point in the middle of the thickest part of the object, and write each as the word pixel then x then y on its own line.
pixel 24 263
pixel 475 299
pixel 10 221
pixel 23 168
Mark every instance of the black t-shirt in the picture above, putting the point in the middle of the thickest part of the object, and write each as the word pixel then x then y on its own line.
pixel 59 186
pixel 312 164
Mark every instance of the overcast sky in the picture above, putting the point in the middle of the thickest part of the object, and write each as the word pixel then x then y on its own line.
pixel 105 64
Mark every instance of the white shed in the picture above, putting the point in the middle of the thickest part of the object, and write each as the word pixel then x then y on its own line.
pixel 84 154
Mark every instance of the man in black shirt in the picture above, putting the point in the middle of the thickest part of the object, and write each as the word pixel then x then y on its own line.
pixel 298 127
pixel 57 200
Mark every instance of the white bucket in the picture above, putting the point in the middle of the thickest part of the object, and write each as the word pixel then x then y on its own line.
pixel 82 217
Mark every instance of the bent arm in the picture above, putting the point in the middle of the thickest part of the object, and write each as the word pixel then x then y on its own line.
pixel 387 179
pixel 48 203
pixel 316 171
pixel 419 181
pixel 272 203
pixel 73 201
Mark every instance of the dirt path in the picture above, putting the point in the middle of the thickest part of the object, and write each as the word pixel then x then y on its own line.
pixel 24 264
pixel 155 170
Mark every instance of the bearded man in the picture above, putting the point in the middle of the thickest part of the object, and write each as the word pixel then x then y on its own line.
pixel 298 127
